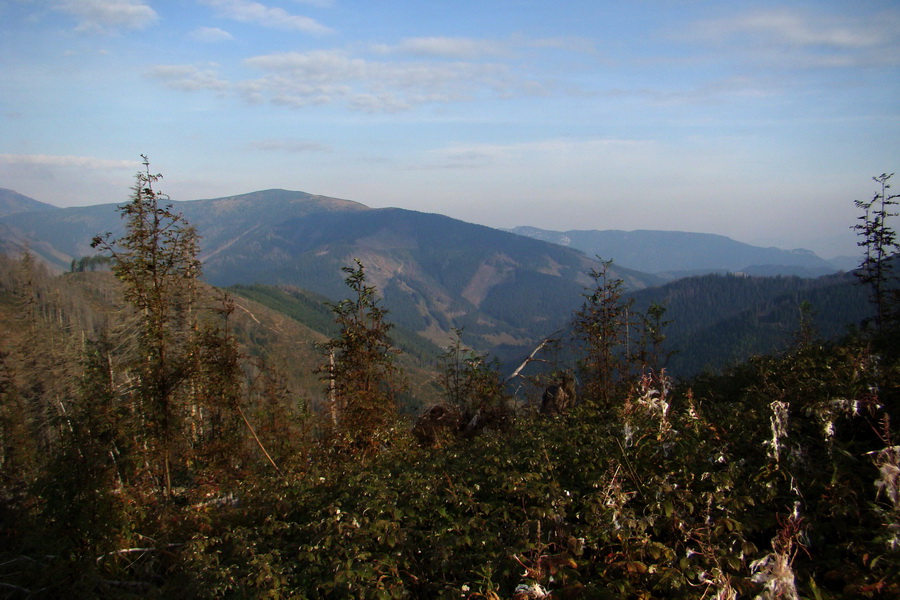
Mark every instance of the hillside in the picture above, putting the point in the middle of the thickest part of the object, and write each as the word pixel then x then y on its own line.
pixel 435 272
pixel 221 221
pixel 280 327
pixel 506 291
pixel 712 322
pixel 721 320
pixel 313 322
pixel 673 254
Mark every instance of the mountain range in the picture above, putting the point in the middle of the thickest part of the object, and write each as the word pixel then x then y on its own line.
pixel 675 254
pixel 435 273
pixel 506 290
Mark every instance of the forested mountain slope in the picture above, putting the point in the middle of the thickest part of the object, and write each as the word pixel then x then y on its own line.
pixel 778 475
pixel 720 320
pixel 710 322
pixel 505 291
pixel 220 221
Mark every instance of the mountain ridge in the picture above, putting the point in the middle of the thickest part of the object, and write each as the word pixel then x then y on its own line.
pixel 674 254
pixel 435 273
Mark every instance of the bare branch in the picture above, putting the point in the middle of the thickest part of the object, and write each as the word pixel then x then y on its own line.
pixel 531 357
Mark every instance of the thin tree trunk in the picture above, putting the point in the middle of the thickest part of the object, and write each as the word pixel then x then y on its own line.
pixel 258 442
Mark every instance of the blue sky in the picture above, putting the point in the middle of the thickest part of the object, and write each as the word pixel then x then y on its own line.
pixel 762 121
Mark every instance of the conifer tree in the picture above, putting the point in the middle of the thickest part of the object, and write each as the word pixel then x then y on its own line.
pixel 361 373
pixel 602 324
pixel 471 382
pixel 156 260
pixel 649 354
pixel 880 243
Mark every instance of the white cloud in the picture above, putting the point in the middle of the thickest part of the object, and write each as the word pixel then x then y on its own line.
pixel 188 78
pixel 247 11
pixel 412 73
pixel 104 16
pixel 79 162
pixel 300 79
pixel 211 34
pixel 569 44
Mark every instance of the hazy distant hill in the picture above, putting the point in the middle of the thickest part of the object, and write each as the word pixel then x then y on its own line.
pixel 436 273
pixel 673 254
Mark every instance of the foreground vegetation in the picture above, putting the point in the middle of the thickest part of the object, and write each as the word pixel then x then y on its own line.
pixel 146 454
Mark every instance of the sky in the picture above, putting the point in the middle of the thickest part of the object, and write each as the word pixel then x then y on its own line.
pixel 762 121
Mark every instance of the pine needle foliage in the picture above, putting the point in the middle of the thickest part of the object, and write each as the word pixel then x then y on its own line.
pixel 471 382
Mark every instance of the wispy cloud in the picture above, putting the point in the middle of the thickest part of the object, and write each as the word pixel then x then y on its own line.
pixel 188 78
pixel 80 162
pixel 107 16
pixel 704 93
pixel 794 38
pixel 247 11
pixel 792 27
pixel 211 35
pixel 300 79
pixel 317 3
pixel 389 78
pixel 463 48
pixel 446 47
pixel 292 146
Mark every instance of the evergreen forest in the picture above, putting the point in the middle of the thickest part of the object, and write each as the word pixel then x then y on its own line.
pixel 156 441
